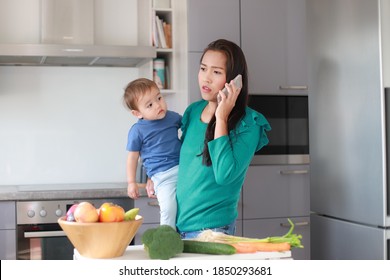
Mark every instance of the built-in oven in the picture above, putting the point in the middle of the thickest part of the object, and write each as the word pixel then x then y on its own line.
pixel 289 136
pixel 39 235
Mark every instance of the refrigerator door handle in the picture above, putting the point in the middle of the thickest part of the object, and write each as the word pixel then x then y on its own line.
pixel 298 224
pixel 293 87
pixel 387 134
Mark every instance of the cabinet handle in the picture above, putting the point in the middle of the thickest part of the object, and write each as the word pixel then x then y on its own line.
pixel 154 203
pixel 290 172
pixel 40 234
pixel 298 224
pixel 293 87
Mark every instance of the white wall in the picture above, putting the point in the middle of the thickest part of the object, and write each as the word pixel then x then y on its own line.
pixel 63 124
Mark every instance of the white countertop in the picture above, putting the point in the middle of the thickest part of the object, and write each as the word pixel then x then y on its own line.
pixel 137 252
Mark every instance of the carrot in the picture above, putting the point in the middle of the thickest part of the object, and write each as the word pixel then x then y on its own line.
pixel 252 247
pixel 243 248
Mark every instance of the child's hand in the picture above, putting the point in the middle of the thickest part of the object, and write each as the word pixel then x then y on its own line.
pixel 150 189
pixel 132 190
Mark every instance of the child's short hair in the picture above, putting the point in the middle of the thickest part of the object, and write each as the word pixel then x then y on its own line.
pixel 135 89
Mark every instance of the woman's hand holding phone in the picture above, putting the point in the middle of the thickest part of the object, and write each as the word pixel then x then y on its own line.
pixel 236 82
pixel 228 97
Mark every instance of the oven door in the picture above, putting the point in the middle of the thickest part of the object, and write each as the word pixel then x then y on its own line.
pixel 43 242
pixel 289 135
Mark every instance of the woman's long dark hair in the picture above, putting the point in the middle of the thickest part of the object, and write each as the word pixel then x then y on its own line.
pixel 235 64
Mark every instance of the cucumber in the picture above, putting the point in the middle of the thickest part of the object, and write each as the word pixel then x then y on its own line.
pixel 212 248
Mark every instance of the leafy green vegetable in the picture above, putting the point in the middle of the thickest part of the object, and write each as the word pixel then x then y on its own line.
pixel 293 239
pixel 162 242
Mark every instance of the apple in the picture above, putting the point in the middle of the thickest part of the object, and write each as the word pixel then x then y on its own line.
pixel 70 213
pixel 85 212
pixel 110 212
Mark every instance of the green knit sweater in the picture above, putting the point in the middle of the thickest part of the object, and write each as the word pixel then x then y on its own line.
pixel 207 196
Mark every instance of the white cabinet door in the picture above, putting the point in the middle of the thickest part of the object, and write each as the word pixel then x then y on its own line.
pixel 272 191
pixel 273 40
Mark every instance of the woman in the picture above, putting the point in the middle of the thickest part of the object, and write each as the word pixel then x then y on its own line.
pixel 218 143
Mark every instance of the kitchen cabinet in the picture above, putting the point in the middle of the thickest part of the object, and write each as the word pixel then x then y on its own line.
pixel 273 193
pixel 150 211
pixel 209 20
pixel 204 31
pixel 273 36
pixel 7 230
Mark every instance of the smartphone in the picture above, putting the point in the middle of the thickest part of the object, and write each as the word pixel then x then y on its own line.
pixel 237 82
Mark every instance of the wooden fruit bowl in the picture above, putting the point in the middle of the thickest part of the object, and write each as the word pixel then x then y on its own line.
pixel 101 240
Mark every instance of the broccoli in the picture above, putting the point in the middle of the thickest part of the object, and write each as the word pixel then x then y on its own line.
pixel 162 242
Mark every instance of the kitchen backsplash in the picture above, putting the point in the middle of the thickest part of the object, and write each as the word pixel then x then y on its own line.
pixel 63 124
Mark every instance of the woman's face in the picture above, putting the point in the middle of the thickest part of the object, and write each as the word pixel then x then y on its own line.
pixel 212 74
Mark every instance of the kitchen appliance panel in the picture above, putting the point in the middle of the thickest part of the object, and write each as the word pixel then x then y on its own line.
pixel 348 240
pixel 346 111
pixel 347 130
pixel 289 136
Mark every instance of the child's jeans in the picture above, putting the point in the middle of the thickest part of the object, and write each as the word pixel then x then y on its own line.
pixel 165 190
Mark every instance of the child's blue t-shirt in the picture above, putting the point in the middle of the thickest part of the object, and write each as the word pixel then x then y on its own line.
pixel 157 141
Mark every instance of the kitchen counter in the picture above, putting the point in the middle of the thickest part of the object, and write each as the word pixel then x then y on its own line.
pixel 137 252
pixel 64 191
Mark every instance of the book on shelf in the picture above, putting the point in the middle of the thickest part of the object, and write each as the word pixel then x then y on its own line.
pixel 167 78
pixel 168 34
pixel 161 34
pixel 155 38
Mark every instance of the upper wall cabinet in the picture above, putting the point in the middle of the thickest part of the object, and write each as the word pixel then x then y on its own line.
pixel 209 20
pixel 274 42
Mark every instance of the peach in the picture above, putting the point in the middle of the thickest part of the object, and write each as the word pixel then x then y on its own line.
pixel 85 212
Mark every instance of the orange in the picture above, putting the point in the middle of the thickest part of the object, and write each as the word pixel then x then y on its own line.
pixel 110 212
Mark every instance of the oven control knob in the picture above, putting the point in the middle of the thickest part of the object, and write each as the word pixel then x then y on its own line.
pixel 30 213
pixel 58 212
pixel 43 213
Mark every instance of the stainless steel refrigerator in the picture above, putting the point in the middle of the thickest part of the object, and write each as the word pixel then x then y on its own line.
pixel 348 129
